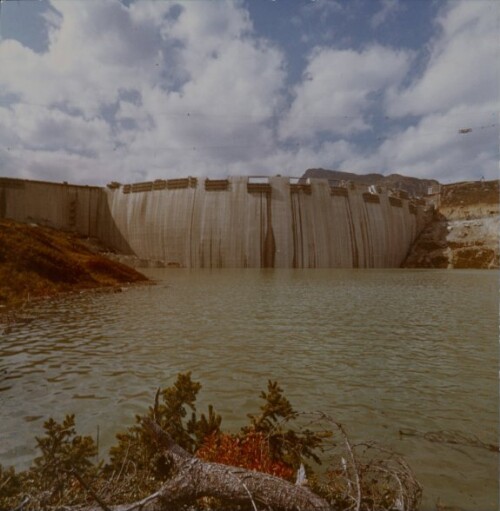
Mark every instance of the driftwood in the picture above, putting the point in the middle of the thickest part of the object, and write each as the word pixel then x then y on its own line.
pixel 194 478
pixel 451 437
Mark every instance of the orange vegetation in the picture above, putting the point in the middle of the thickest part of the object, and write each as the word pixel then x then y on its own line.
pixel 39 261
pixel 251 451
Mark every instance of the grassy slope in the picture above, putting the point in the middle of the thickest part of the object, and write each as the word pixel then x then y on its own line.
pixel 38 261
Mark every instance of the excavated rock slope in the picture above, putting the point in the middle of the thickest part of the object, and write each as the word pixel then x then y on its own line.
pixel 465 229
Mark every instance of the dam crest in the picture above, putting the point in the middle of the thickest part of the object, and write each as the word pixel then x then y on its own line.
pixel 238 222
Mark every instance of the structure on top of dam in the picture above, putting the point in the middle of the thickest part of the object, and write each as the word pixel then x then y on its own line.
pixel 238 222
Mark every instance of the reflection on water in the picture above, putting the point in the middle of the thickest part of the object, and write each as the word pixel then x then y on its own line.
pixel 380 350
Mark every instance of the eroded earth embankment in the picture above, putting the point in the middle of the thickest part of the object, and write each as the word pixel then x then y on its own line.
pixel 464 232
pixel 38 261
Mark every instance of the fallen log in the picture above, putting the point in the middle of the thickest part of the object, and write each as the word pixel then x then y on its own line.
pixel 194 478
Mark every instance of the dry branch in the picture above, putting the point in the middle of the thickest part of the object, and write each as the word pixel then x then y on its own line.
pixel 451 437
pixel 194 478
pixel 367 476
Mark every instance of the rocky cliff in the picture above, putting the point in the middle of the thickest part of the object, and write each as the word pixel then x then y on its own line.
pixel 464 232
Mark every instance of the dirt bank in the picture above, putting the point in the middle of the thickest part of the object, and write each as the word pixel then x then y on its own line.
pixel 39 261
pixel 465 229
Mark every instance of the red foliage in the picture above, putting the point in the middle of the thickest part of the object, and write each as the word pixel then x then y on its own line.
pixel 250 451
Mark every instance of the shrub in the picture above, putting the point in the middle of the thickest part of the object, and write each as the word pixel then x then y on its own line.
pixel 171 414
pixel 286 444
pixel 63 453
pixel 251 451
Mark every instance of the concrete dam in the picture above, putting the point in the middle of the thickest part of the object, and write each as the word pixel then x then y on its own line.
pixel 239 222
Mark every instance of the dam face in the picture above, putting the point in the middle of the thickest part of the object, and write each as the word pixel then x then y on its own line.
pixel 237 222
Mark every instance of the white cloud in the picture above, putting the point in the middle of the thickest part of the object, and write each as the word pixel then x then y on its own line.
pixel 463 67
pixel 219 116
pixel 434 148
pixel 335 93
pixel 457 89
pixel 42 128
pixel 293 162
pixel 159 89
pixel 57 165
pixel 95 49
pixel 389 9
pixel 205 28
pixel 156 88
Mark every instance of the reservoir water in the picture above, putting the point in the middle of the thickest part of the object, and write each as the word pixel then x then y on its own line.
pixel 379 350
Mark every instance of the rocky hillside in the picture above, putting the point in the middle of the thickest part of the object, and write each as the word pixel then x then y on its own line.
pixel 465 230
pixel 413 185
pixel 38 261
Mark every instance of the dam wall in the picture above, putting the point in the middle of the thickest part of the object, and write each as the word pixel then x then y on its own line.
pixel 80 209
pixel 60 205
pixel 237 222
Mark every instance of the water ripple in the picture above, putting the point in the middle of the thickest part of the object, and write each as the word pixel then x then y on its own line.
pixel 380 350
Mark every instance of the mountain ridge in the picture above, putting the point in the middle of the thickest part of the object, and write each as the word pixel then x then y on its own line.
pixel 412 185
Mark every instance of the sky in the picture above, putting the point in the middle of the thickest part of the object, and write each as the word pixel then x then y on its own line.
pixel 93 91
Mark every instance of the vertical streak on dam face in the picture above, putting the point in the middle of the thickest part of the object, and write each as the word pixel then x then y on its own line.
pixel 308 232
pixel 319 204
pixel 351 235
pixel 202 223
pixel 297 233
pixel 354 216
pixel 269 248
pixel 3 203
pixel 282 222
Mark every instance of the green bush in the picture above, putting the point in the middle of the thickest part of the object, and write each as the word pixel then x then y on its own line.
pixel 275 419
pixel 171 414
pixel 66 474
pixel 10 488
pixel 63 453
